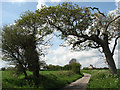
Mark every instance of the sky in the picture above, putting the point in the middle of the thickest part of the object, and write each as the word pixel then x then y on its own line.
pixel 10 10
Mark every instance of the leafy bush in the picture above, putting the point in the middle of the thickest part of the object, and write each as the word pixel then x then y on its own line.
pixel 67 67
pixel 53 67
pixel 76 67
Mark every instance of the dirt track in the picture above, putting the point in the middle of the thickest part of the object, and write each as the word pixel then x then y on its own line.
pixel 80 84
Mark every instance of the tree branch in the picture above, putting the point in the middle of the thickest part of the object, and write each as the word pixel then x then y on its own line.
pixel 95 46
pixel 64 33
pixel 78 42
pixel 115 45
pixel 111 22
pixel 97 10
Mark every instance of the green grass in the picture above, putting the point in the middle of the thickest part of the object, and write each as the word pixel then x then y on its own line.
pixel 48 79
pixel 102 79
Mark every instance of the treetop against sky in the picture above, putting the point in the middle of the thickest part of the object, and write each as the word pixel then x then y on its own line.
pixel 57 55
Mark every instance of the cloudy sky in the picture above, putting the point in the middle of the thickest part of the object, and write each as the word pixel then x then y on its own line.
pixel 12 9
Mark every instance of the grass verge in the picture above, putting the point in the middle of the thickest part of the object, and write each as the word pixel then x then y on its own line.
pixel 102 79
pixel 47 80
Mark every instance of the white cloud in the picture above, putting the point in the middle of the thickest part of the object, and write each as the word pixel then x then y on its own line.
pixel 117 10
pixel 43 2
pixel 3 63
pixel 117 0
pixel 62 56
pixel 40 3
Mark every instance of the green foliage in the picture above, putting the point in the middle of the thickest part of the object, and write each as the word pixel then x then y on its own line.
pixel 57 79
pixel 85 68
pixel 67 67
pixel 76 67
pixel 67 15
pixel 21 42
pixel 53 67
pixel 103 78
pixel 13 44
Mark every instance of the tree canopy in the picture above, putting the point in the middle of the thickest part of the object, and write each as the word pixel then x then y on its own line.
pixel 81 27
pixel 22 42
pixel 84 28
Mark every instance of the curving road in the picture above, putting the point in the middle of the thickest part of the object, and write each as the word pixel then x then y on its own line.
pixel 80 84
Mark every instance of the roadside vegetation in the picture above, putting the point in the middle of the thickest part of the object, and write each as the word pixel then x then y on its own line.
pixel 47 79
pixel 103 79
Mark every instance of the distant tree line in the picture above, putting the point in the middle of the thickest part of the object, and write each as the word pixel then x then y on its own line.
pixel 75 67
pixel 86 68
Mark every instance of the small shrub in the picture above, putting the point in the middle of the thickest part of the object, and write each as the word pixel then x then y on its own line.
pixel 3 69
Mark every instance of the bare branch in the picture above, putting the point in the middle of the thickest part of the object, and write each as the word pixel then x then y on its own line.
pixel 115 45
pixel 97 10
pixel 112 21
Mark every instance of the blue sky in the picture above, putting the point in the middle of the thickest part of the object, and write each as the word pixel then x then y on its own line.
pixel 57 55
pixel 12 10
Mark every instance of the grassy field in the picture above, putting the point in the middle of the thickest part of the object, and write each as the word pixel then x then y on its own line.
pixel 48 79
pixel 102 79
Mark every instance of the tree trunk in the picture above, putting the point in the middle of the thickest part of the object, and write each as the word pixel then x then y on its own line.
pixel 109 59
pixel 36 75
pixel 23 69
pixel 25 74
pixel 35 64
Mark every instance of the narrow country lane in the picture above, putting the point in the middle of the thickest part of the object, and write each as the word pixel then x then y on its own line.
pixel 80 84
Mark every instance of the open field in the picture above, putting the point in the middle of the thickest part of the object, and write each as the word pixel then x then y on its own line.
pixel 103 79
pixel 48 79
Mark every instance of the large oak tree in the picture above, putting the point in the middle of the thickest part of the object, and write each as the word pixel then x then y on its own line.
pixel 84 27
